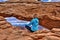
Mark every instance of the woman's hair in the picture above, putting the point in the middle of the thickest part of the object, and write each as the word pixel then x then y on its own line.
pixel 35 15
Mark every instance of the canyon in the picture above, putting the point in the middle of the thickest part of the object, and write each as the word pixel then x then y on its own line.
pixel 9 32
pixel 48 14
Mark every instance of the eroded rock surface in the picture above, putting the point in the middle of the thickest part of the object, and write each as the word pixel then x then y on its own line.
pixel 8 32
pixel 25 9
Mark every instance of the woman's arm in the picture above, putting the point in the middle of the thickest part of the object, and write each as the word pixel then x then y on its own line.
pixel 30 22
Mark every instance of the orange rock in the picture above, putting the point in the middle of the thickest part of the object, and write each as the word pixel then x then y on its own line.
pixel 26 10
pixel 51 38
pixel 1 18
pixel 21 0
pixel 4 26
pixel 25 38
pixel 3 36
pixel 55 30
pixel 2 22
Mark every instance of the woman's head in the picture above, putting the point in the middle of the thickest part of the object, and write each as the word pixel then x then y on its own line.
pixel 35 16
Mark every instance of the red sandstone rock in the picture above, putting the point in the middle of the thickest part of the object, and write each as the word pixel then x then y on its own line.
pixel 1 18
pixel 3 37
pixel 42 31
pixel 5 26
pixel 2 22
pixel 55 30
pixel 26 10
pixel 51 38
pixel 13 33
pixel 48 23
pixel 48 14
pixel 21 0
pixel 25 38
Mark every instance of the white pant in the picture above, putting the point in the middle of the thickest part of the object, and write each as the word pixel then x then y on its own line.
pixel 3 0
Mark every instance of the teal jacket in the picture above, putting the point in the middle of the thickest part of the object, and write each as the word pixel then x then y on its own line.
pixel 34 24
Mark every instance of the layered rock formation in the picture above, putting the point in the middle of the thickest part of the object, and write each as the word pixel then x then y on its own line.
pixel 8 32
pixel 48 13
pixel 22 0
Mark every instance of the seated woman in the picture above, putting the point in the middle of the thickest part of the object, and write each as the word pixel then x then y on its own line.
pixel 33 25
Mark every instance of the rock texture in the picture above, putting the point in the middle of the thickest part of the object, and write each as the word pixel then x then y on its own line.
pixel 8 32
pixel 48 13
pixel 22 0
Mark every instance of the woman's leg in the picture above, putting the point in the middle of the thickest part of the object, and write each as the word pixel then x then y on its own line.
pixel 29 28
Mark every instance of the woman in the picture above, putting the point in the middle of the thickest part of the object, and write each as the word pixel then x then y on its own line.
pixel 33 25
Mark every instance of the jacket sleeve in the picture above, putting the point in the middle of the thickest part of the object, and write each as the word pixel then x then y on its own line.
pixel 31 22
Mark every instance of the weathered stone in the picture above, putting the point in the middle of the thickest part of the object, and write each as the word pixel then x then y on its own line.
pixel 2 22
pixel 51 38
pixel 25 38
pixel 3 37
pixel 55 30
pixel 22 0
pixel 21 10
pixel 1 18
pixel 48 14
pixel 42 31
pixel 5 26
